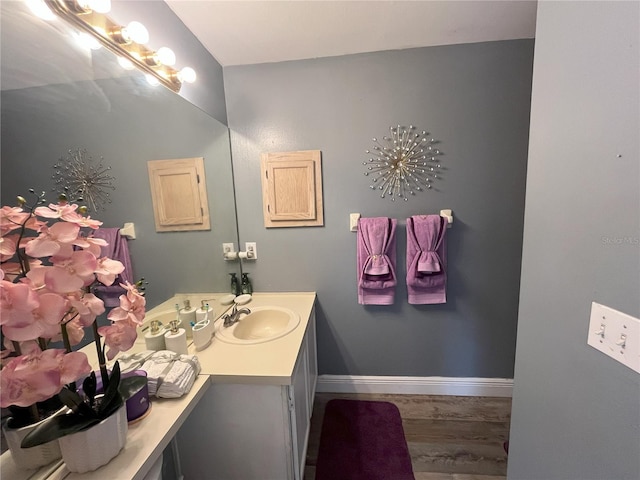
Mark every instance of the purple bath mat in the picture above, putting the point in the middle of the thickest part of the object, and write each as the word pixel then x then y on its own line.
pixel 362 440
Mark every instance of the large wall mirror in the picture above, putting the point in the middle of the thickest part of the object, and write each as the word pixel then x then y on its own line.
pixel 57 96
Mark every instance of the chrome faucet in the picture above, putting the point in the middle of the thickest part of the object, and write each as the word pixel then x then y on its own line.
pixel 234 316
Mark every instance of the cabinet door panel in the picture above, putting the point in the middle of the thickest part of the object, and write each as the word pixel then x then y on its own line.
pixel 179 194
pixel 312 359
pixel 237 432
pixel 292 189
pixel 301 415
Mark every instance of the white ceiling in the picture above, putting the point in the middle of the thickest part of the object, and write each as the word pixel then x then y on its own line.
pixel 248 32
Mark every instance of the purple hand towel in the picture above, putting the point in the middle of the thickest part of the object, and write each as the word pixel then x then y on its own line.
pixel 426 259
pixel 376 252
pixel 117 249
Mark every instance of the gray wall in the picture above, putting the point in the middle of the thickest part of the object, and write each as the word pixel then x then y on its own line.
pixel 128 123
pixel 576 412
pixel 475 100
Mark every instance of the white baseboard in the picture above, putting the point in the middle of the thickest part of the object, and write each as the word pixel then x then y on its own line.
pixel 465 386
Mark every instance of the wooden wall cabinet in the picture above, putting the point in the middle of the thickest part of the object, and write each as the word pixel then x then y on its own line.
pixel 179 194
pixel 292 189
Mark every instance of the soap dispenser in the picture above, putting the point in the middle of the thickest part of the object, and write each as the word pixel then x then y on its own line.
pixel 246 284
pixel 187 317
pixel 203 312
pixel 235 288
pixel 176 339
pixel 154 338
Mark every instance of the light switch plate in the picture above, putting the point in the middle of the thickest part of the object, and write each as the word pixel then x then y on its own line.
pixel 615 334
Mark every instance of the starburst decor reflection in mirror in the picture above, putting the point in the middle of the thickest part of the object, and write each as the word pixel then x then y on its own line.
pixel 403 163
pixel 83 180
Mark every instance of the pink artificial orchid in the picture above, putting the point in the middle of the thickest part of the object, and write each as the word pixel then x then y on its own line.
pixel 88 222
pixel 107 270
pixel 13 270
pixel 75 331
pixel 8 245
pixel 63 211
pixel 41 321
pixel 36 377
pixel 119 337
pixel 132 306
pixel 88 307
pixel 44 291
pixel 71 273
pixel 26 348
pixel 16 299
pixel 56 240
pixel 91 244
pixel 11 218
pixel 68 213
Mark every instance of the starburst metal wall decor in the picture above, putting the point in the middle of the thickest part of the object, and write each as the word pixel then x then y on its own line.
pixel 403 163
pixel 83 180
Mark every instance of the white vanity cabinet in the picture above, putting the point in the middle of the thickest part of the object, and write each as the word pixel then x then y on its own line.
pixel 253 431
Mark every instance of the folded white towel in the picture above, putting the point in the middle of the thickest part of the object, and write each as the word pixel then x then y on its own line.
pixel 133 361
pixel 169 374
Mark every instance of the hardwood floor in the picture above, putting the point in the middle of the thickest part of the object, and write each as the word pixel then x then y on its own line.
pixel 449 438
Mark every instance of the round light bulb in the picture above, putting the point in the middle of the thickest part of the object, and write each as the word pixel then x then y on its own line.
pixel 187 74
pixel 40 9
pixel 126 64
pixel 137 32
pixel 166 56
pixel 100 6
pixel 151 80
pixel 87 41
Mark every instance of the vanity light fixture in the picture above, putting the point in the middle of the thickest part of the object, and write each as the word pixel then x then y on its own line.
pixel 127 42
pixel 405 162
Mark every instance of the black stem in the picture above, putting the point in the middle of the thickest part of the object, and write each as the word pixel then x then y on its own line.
pixel 22 257
pixel 33 412
pixel 101 358
pixel 67 347
pixel 65 338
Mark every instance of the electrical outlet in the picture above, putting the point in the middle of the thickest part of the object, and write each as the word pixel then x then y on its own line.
pixel 615 334
pixel 252 250
pixel 229 251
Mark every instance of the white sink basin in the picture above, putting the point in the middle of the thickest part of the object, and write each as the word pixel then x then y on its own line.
pixel 263 324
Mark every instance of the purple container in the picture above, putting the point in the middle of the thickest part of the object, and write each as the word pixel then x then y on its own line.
pixel 138 404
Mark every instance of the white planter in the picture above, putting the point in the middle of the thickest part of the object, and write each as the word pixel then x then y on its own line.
pixel 89 449
pixel 29 458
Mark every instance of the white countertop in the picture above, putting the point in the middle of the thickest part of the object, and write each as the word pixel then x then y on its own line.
pixel 270 362
pixel 264 363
